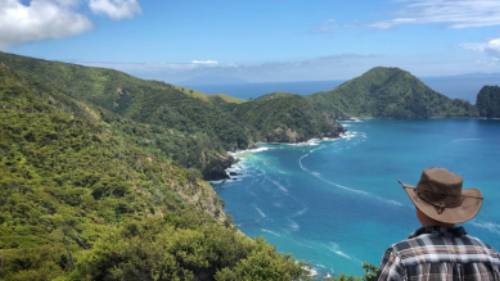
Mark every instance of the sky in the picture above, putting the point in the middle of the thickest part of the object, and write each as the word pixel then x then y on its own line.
pixel 226 41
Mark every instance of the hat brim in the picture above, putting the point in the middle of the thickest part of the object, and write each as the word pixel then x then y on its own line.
pixel 466 211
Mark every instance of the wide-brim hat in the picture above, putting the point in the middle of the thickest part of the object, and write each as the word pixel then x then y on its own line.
pixel 440 196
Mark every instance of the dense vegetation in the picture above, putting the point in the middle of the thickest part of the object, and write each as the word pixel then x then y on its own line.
pixel 488 102
pixel 80 200
pixel 390 93
pixel 101 173
pixel 287 118
pixel 194 129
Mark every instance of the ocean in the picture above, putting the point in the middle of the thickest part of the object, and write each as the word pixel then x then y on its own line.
pixel 463 87
pixel 337 203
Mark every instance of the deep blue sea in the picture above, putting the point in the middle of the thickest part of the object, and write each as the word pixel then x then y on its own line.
pixel 253 90
pixel 337 203
pixel 463 86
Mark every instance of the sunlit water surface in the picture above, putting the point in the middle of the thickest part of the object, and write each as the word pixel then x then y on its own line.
pixel 337 203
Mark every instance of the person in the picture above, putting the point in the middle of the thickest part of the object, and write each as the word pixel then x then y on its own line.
pixel 440 249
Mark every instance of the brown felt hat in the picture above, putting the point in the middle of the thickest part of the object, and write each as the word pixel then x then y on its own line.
pixel 440 196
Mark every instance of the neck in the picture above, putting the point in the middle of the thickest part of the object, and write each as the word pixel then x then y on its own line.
pixel 446 225
pixel 427 221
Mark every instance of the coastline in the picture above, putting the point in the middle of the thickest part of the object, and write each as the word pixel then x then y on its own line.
pixel 236 169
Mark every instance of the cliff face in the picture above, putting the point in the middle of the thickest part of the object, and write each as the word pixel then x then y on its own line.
pixel 488 102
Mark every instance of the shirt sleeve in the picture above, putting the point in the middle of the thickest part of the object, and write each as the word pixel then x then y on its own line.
pixel 391 268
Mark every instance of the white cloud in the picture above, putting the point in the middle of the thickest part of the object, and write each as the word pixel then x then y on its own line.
pixel 115 9
pixel 215 72
pixel 39 20
pixel 205 62
pixel 490 47
pixel 453 13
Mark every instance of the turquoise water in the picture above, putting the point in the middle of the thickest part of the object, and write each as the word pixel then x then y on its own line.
pixel 337 203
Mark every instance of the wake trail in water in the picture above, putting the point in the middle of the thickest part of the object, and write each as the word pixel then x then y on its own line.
pixel 339 186
pixel 335 248
pixel 260 212
pixel 270 232
pixel 278 185
pixel 490 226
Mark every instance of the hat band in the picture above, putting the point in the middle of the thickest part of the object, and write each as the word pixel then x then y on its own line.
pixel 441 205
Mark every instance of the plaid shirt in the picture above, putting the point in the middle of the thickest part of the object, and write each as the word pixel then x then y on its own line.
pixel 438 253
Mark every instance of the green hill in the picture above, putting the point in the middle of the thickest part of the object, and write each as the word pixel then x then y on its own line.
pixel 101 175
pixel 80 199
pixel 390 93
pixel 488 102
pixel 195 130
pixel 287 118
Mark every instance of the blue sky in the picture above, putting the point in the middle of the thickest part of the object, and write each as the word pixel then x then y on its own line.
pixel 258 40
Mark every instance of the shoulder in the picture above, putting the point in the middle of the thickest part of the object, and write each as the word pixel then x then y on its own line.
pixel 474 241
pixel 410 244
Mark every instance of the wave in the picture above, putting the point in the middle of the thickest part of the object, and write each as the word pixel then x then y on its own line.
pixel 357 191
pixel 346 188
pixel 351 120
pixel 293 225
pixel 352 134
pixel 260 212
pixel 238 154
pixel 335 248
pixel 311 271
pixel 490 226
pixel 349 136
pixel 300 212
pixel 278 185
pixel 314 141
pixel 270 232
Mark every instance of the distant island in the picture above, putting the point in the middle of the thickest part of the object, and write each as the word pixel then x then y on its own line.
pixel 104 175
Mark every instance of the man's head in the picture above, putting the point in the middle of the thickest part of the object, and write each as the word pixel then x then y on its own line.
pixel 441 200
pixel 428 221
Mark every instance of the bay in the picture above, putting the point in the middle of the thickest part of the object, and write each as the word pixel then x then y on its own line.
pixel 337 203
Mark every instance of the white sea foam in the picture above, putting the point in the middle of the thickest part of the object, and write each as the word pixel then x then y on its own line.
pixel 348 136
pixel 293 225
pixel 490 226
pixel 218 181
pixel 335 248
pixel 278 185
pixel 261 213
pixel 343 187
pixel 361 192
pixel 311 271
pixel 351 120
pixel 270 232
pixel 300 212
pixel 241 153
pixel 313 142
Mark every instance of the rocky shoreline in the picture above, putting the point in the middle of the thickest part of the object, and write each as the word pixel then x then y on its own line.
pixel 224 171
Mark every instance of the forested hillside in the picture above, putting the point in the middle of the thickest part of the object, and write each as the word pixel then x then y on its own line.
pixel 488 102
pixel 385 92
pixel 194 129
pixel 102 174
pixel 81 200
